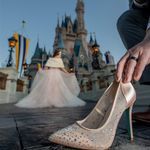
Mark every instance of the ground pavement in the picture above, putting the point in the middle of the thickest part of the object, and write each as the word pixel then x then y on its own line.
pixel 29 129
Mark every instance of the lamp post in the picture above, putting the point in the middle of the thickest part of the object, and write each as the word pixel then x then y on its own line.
pixel 12 43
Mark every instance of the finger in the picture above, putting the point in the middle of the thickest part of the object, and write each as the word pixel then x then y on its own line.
pixel 120 66
pixel 142 62
pixel 129 70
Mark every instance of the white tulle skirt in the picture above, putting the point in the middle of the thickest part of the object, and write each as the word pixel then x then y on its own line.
pixel 53 88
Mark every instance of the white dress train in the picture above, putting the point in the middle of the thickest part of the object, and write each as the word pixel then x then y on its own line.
pixel 53 88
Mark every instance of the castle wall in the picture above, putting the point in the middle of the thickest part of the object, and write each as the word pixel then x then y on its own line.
pixel 10 93
pixel 69 45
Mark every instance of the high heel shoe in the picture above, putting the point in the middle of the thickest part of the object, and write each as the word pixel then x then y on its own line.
pixel 98 129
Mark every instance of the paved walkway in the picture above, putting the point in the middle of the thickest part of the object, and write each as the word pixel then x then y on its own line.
pixel 29 129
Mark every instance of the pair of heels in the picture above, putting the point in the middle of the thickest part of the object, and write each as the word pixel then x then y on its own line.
pixel 98 129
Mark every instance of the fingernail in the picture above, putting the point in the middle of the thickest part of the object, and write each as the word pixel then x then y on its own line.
pixel 136 78
pixel 135 75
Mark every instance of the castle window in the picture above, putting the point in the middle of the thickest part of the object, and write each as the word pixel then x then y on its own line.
pixel 102 83
pixel 2 83
pixel 70 29
pixel 3 79
pixel 89 85
pixel 20 85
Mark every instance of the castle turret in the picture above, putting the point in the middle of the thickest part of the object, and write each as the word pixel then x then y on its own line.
pixel 91 42
pixel 44 55
pixel 62 23
pixel 39 58
pixel 58 26
pixel 81 31
pixel 109 58
pixel 75 26
pixel 38 53
pixel 80 17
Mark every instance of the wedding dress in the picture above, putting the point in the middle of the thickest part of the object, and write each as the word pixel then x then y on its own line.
pixel 53 88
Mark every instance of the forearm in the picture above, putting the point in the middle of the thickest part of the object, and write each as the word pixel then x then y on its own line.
pixel 64 70
pixel 46 68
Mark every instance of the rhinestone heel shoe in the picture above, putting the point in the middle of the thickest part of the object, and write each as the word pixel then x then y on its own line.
pixel 98 129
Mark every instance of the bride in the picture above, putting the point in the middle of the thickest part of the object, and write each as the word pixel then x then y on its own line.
pixel 53 87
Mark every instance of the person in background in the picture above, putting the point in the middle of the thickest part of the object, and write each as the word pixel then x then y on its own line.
pixel 134 29
pixel 53 86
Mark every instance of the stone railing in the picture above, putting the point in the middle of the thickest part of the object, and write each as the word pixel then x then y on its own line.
pixel 13 88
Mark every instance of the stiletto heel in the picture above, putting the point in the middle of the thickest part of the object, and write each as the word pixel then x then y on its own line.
pixel 98 129
pixel 129 123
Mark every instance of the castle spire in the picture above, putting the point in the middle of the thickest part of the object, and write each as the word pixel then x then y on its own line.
pixel 80 3
pixel 80 15
pixel 38 51
pixel 37 45
pixel 58 22
pixel 81 30
pixel 62 23
pixel 91 42
pixel 44 50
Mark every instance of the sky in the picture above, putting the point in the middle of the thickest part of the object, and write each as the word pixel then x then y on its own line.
pixel 41 19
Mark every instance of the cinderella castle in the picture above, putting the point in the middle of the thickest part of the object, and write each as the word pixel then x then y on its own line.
pixel 79 55
pixel 93 69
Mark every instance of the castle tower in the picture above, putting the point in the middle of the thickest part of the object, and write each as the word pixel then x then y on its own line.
pixel 67 35
pixel 97 56
pixel 65 54
pixel 37 54
pixel 40 56
pixel 81 31
pixel 67 30
pixel 80 17
pixel 91 42
pixel 109 58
